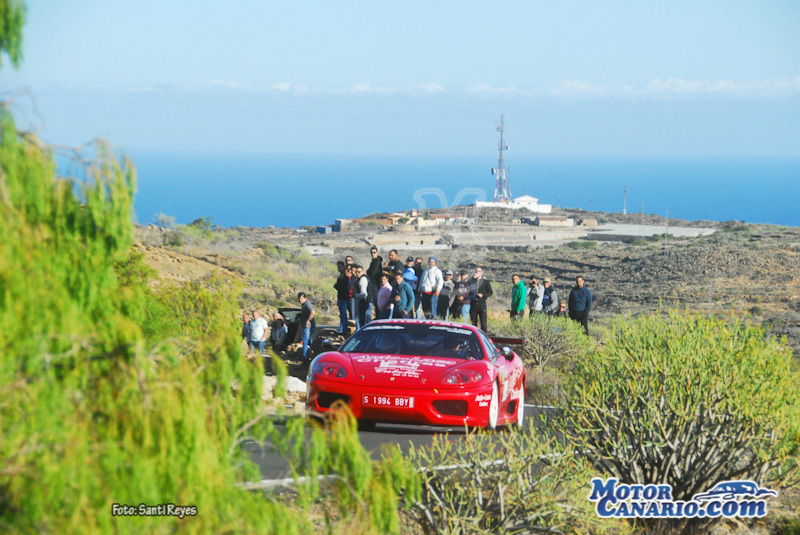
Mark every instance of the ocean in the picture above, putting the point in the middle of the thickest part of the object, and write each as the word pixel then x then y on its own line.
pixel 292 190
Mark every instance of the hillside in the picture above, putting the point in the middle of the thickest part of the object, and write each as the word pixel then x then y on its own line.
pixel 742 268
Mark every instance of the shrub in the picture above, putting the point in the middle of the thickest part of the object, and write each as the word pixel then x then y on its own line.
pixel 549 341
pixel 689 401
pixel 164 221
pixel 174 238
pixel 99 414
pixel 586 244
pixel 551 347
pixel 502 483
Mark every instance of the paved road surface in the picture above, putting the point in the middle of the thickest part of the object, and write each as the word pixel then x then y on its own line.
pixel 273 466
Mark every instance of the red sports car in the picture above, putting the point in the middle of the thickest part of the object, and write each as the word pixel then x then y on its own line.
pixel 430 372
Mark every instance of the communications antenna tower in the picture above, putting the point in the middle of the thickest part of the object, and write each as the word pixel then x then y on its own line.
pixel 501 191
pixel 625 199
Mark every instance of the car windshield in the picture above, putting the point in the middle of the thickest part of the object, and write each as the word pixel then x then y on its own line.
pixel 415 339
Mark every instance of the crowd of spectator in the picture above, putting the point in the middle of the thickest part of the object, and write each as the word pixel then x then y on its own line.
pixel 393 289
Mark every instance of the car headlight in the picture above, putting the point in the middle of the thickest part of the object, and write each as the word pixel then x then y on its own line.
pixel 463 377
pixel 329 369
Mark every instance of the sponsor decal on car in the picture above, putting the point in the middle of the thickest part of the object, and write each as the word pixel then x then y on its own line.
pixel 405 362
pixel 729 499
pixel 509 383
pixel 483 397
pixel 454 330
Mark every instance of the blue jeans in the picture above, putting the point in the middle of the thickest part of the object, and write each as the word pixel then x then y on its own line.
pixel 369 312
pixel 260 344
pixel 342 303
pixel 465 312
pixel 306 338
pixel 361 312
pixel 354 312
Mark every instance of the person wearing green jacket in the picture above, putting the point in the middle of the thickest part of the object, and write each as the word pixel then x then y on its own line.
pixel 518 293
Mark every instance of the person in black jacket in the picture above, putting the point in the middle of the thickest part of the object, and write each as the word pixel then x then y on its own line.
pixel 483 290
pixel 342 296
pixel 375 267
pixel 374 273
pixel 393 266
pixel 580 303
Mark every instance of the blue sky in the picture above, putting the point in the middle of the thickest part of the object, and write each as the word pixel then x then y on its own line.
pixel 618 78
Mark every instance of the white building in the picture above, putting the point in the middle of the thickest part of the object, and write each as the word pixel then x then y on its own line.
pixel 524 201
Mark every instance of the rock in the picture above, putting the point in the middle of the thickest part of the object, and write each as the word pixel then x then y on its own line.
pixel 295 385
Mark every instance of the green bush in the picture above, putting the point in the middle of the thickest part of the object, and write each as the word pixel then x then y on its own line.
pixel 174 238
pixel 502 483
pixel 689 401
pixel 112 391
pixel 100 415
pixel 585 244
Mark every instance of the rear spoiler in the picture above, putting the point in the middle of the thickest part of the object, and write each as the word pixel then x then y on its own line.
pixel 507 341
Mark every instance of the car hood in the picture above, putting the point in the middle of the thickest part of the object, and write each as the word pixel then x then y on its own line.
pixel 402 370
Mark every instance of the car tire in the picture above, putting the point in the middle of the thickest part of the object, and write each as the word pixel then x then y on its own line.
pixel 520 409
pixel 494 409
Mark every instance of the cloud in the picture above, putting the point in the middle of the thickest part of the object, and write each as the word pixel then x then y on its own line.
pixel 576 87
pixel 364 88
pixel 219 83
pixel 679 87
pixel 657 88
pixel 488 89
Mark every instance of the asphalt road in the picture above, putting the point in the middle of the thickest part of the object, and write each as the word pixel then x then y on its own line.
pixel 273 466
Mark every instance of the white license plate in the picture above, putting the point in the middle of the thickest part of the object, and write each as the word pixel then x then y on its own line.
pixel 395 402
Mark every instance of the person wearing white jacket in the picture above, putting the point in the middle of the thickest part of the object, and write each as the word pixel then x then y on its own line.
pixel 430 285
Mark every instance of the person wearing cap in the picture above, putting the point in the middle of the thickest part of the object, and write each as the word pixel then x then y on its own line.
pixel 446 296
pixel 518 294
pixel 483 291
pixel 549 298
pixel 430 284
pixel 402 296
pixel 412 278
pixel 535 295
pixel 580 303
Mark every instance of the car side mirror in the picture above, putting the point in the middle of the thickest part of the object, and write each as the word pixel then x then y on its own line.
pixel 507 353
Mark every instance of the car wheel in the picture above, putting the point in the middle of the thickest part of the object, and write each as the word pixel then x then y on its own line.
pixel 494 409
pixel 520 408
